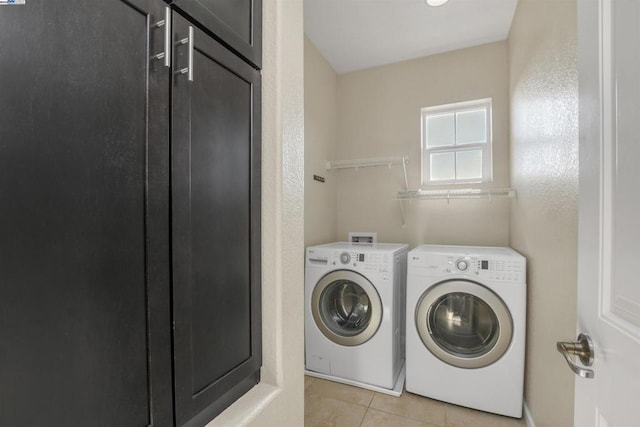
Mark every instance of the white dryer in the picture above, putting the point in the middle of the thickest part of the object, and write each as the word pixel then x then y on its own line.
pixel 354 314
pixel 466 313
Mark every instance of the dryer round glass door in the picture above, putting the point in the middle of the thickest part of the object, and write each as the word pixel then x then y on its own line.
pixel 463 323
pixel 346 308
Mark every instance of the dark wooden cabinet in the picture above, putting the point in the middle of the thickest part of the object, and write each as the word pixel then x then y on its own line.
pixel 215 166
pixel 235 23
pixel 129 216
pixel 84 252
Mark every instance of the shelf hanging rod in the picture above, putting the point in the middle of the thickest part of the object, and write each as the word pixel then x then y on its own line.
pixel 367 162
pixel 465 193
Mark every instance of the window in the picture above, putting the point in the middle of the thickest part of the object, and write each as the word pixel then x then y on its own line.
pixel 456 143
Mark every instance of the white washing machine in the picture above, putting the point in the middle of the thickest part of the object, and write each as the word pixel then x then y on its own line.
pixel 354 314
pixel 466 313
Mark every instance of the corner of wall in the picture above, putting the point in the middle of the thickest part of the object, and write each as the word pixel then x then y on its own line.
pixel 321 121
pixel 528 418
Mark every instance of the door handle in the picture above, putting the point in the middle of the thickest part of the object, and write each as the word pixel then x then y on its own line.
pixel 583 348
pixel 188 70
pixel 166 23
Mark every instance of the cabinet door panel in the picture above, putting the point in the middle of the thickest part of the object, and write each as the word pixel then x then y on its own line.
pixel 220 162
pixel 85 334
pixel 236 23
pixel 216 233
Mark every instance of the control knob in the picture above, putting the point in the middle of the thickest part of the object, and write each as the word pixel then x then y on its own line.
pixel 345 258
pixel 462 265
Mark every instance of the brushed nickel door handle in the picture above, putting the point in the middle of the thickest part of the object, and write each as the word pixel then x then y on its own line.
pixel 166 23
pixel 583 348
pixel 188 70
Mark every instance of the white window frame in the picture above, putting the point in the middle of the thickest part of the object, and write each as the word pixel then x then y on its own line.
pixel 486 147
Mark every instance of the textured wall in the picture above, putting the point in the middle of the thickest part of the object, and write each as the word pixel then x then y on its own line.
pixel 278 401
pixel 544 170
pixel 379 116
pixel 320 142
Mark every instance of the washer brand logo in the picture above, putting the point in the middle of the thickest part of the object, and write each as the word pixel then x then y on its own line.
pixel 11 2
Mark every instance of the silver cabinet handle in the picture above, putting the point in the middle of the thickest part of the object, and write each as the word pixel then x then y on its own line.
pixel 583 348
pixel 190 75
pixel 167 37
pixel 166 23
pixel 189 68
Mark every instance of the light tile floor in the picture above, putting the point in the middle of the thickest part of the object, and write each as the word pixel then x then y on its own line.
pixel 331 404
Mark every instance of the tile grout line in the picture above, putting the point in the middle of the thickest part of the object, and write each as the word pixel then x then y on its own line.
pixel 403 416
pixel 363 417
pixel 368 407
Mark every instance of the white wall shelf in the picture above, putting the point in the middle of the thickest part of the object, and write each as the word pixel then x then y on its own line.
pixel 462 193
pixel 372 161
pixel 367 162
pixel 410 195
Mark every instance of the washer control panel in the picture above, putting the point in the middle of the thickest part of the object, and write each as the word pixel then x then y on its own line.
pixel 459 265
pixel 369 261
pixel 500 269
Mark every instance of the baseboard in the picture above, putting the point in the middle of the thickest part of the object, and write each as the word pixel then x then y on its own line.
pixel 527 415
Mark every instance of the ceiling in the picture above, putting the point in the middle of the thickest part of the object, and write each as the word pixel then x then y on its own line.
pixel 357 34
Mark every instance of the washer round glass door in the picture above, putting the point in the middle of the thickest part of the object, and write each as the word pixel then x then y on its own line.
pixel 346 307
pixel 464 323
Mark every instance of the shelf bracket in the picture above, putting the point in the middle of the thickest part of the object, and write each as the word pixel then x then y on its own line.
pixel 356 164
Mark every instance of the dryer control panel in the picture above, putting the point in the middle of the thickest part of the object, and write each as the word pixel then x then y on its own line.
pixel 497 269
pixel 502 270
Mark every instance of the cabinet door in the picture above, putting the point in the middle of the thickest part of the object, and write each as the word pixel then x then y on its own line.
pixel 215 227
pixel 84 285
pixel 236 23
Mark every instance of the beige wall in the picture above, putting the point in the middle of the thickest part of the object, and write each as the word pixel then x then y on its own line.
pixel 320 142
pixel 544 170
pixel 379 116
pixel 278 401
